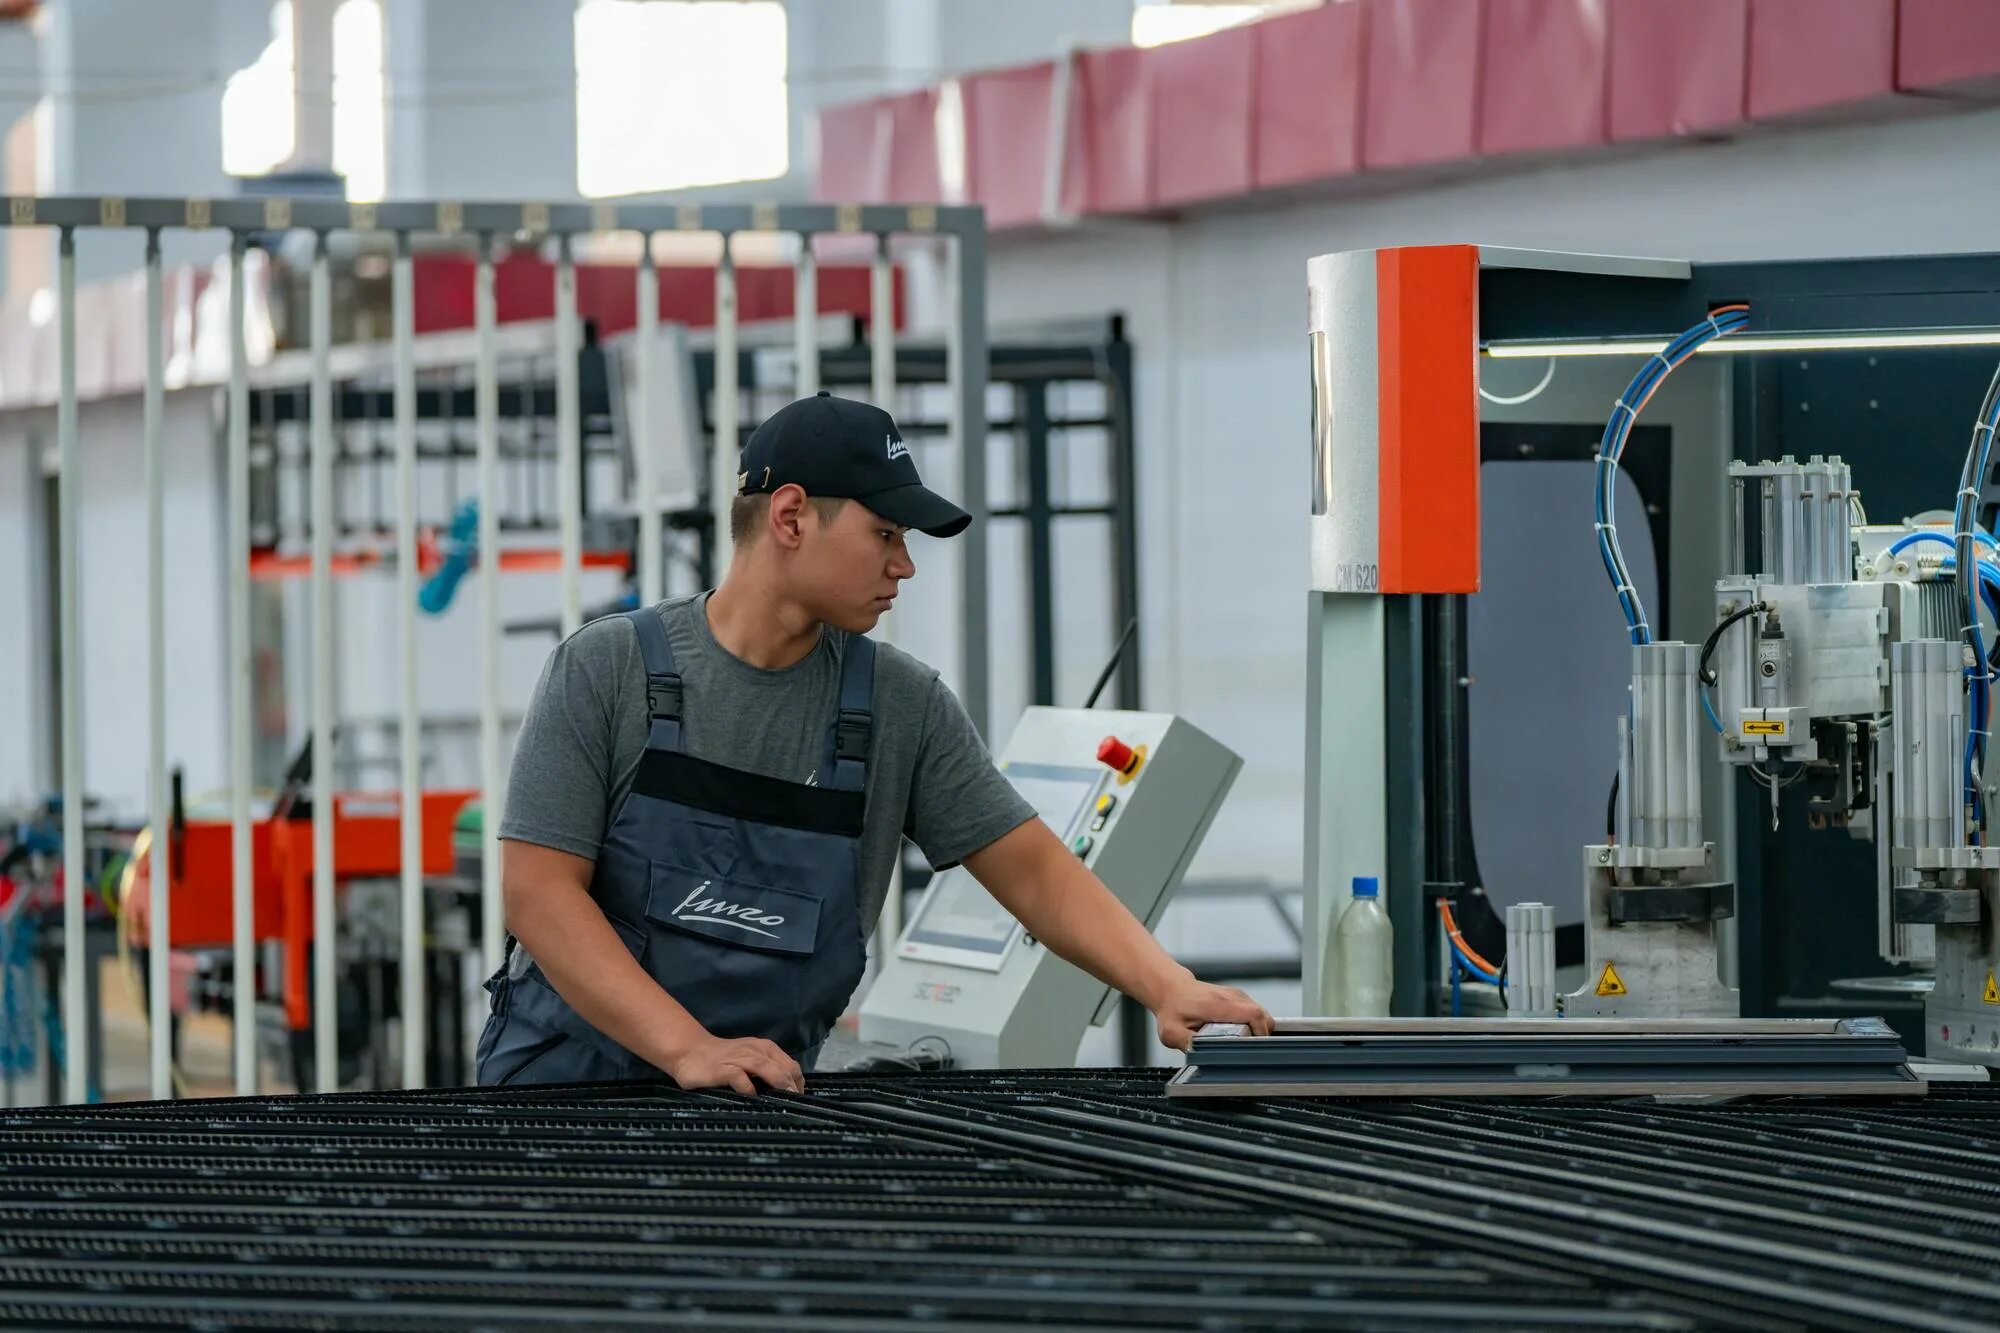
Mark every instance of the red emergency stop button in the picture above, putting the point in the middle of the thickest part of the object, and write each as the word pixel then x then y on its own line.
pixel 1118 755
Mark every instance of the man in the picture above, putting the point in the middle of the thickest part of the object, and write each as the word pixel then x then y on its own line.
pixel 708 796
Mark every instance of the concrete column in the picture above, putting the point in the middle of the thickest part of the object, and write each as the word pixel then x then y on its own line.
pixel 135 107
pixel 482 99
pixel 312 89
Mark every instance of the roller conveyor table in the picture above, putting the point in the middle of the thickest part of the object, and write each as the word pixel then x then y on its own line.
pixel 1074 1198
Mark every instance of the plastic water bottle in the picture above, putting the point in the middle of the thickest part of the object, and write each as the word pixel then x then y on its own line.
pixel 1361 954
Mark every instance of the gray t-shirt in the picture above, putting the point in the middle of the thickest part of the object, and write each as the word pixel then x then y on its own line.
pixel 929 775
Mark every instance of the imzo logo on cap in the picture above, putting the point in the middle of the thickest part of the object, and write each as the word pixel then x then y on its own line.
pixel 897 449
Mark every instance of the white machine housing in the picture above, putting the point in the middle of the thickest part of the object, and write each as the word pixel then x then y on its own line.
pixel 966 976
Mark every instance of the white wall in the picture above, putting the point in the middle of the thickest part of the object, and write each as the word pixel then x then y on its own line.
pixel 25 768
pixel 1215 307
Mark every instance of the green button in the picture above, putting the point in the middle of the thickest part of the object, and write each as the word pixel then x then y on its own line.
pixel 1082 844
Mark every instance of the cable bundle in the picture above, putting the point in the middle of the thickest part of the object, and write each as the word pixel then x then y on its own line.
pixel 1722 320
pixel 1971 578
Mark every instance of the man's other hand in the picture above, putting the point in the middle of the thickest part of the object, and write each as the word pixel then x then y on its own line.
pixel 736 1062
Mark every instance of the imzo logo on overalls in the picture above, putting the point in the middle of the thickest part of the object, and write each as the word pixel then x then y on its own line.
pixel 725 913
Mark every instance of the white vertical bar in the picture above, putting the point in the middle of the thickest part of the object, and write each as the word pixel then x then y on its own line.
pixel 569 443
pixel 486 415
pixel 645 433
pixel 416 1001
pixel 966 366
pixel 882 381
pixel 882 326
pixel 1055 146
pixel 805 316
pixel 242 882
pixel 722 467
pixel 69 485
pixel 159 938
pixel 325 954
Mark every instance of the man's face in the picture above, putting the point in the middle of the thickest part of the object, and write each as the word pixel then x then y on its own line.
pixel 847 569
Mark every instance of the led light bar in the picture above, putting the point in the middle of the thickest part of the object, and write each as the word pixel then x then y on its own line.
pixel 1776 342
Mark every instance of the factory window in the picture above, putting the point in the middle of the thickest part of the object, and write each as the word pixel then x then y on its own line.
pixel 671 94
pixel 1157 22
pixel 257 110
pixel 259 127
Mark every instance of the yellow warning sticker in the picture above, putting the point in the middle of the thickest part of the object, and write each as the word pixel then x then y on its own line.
pixel 1763 728
pixel 1609 984
pixel 1992 995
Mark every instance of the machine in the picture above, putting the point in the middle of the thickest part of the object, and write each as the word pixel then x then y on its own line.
pixel 1842 667
pixel 1847 659
pixel 967 985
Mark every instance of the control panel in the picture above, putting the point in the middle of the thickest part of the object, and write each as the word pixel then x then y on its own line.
pixel 1131 794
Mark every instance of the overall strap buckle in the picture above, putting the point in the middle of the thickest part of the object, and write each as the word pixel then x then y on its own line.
pixel 851 735
pixel 663 697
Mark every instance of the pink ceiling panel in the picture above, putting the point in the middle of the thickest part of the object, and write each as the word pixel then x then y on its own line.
pixel 1310 73
pixel 1677 66
pixel 1423 82
pixel 1203 117
pixel 1541 78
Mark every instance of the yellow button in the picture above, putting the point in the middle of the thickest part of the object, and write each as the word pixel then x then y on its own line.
pixel 1105 802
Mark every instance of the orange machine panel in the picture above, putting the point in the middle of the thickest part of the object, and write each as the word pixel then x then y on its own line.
pixel 367 841
pixel 1427 326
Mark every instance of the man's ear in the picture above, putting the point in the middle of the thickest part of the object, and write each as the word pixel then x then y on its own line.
pixel 788 505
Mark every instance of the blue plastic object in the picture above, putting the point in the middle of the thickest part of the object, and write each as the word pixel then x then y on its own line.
pixel 1367 886
pixel 461 552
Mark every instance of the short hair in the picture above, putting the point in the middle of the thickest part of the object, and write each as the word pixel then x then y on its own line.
pixel 746 513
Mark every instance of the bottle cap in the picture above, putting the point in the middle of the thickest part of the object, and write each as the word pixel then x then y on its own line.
pixel 1366 886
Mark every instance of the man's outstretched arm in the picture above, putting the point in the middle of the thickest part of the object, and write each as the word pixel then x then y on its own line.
pixel 1051 892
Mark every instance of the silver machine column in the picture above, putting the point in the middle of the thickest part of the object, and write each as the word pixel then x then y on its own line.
pixel 1393 516
pixel 1942 888
pixel 1650 897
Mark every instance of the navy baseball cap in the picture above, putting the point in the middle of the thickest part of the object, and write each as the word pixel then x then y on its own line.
pixel 836 448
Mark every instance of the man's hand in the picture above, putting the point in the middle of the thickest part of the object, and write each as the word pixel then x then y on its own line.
pixel 1051 892
pixel 735 1062
pixel 1188 1003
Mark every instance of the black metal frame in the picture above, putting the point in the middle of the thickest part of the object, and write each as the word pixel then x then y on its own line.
pixel 1430 825
pixel 1033 372
pixel 364 416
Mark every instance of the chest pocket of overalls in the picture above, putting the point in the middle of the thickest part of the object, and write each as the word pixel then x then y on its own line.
pixel 746 886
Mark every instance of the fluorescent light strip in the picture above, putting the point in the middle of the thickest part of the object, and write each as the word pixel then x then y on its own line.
pixel 1820 342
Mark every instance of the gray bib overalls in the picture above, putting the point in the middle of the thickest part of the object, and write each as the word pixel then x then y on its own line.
pixel 738 893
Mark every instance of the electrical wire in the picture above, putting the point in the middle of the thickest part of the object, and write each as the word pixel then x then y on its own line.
pixel 1721 321
pixel 1515 400
pixel 1704 675
pixel 1470 954
pixel 1773 781
pixel 1473 970
pixel 1969 578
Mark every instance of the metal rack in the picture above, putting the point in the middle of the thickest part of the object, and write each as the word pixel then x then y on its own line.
pixel 364 460
pixel 998 1200
pixel 254 223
